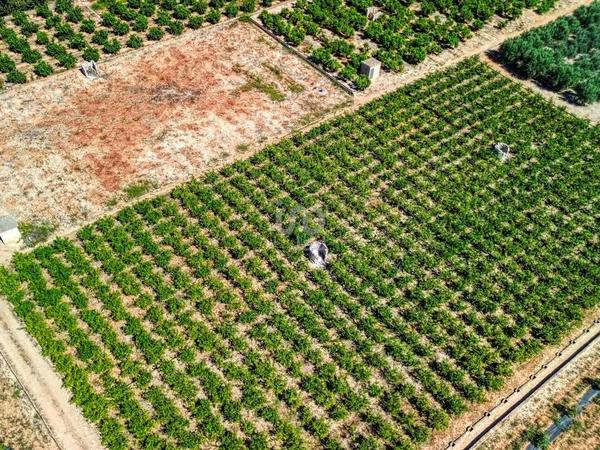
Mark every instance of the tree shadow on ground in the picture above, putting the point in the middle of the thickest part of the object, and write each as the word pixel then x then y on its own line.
pixel 567 95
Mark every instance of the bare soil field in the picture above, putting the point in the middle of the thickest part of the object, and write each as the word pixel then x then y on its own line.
pixel 565 389
pixel 20 426
pixel 164 114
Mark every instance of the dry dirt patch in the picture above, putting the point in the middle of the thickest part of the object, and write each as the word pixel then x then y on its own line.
pixel 20 426
pixel 70 145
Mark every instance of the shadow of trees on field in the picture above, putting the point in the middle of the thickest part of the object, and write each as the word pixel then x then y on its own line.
pixel 568 96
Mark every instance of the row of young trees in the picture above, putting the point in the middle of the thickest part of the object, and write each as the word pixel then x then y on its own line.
pixel 404 33
pixel 563 55
pixel 68 34
pixel 201 322
pixel 11 6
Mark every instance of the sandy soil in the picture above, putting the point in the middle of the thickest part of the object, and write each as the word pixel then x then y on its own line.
pixel 20 426
pixel 43 385
pixel 565 389
pixel 70 146
pixel 164 114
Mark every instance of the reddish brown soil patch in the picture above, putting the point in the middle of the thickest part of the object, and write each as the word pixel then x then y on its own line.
pixel 162 114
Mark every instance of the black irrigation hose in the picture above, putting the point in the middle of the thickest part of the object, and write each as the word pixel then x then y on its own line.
pixel 343 86
pixel 30 398
pixel 526 397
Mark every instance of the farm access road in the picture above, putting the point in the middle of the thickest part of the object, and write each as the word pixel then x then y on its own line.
pixel 574 349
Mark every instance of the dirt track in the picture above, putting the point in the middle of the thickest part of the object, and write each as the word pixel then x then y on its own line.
pixel 44 386
pixel 475 434
pixel 20 424
pixel 565 389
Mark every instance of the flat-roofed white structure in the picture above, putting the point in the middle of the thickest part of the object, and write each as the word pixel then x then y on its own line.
pixel 9 230
pixel 371 68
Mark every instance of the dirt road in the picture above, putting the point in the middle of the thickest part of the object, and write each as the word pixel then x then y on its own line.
pixel 66 422
pixel 576 348
pixel 67 425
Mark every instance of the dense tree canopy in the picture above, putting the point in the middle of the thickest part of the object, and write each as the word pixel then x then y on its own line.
pixel 406 31
pixel 563 55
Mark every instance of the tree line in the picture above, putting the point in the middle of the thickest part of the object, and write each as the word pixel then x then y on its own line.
pixel 563 55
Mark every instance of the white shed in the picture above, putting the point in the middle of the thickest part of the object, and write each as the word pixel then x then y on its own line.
pixel 9 230
pixel 371 68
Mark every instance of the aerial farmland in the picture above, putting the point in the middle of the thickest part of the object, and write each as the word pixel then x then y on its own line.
pixel 326 224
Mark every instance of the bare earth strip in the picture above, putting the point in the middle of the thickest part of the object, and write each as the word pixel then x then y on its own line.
pixel 44 386
pixel 585 432
pixel 163 106
pixel 538 407
pixel 20 425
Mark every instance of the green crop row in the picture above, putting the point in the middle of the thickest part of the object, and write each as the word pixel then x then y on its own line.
pixel 402 32
pixel 195 319
pixel 67 34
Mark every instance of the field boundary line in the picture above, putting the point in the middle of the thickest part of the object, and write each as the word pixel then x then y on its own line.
pixel 298 54
pixel 550 369
pixel 46 391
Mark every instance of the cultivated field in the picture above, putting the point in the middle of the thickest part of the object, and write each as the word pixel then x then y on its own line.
pixel 195 319
pixel 589 111
pixel 62 34
pixel 563 55
pixel 70 146
pixel 340 34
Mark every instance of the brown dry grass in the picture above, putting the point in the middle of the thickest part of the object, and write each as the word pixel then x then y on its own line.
pixel 585 435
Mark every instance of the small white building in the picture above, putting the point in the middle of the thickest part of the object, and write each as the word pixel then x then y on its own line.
pixel 371 68
pixel 9 230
